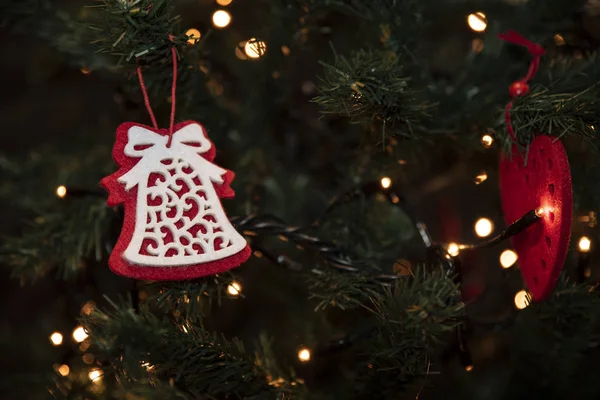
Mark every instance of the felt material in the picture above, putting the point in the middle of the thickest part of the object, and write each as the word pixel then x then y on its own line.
pixel 174 226
pixel 544 180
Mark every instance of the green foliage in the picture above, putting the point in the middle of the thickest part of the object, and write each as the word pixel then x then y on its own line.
pixel 413 317
pixel 137 346
pixel 371 88
pixel 59 241
pixel 552 339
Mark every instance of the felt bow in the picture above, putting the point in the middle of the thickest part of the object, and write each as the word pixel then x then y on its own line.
pixel 188 144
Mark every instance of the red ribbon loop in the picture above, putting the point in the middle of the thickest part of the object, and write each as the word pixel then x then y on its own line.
pixel 520 87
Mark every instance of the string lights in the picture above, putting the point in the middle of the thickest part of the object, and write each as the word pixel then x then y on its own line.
pixel 522 299
pixel 194 35
pixel 79 334
pixel 386 182
pixel 508 258
pixel 304 354
pixel 64 370
pixel 255 48
pixel 61 191
pixel 95 375
pixel 584 244
pixel 453 249
pixel 484 227
pixel 234 289
pixel 224 2
pixel 56 338
pixel 487 141
pixel 477 21
pixel 221 18
pixel 482 177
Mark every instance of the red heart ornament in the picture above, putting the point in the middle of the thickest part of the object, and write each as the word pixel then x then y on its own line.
pixel 542 180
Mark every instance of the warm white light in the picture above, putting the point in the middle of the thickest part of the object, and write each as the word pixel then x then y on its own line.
pixel 521 299
pixel 221 18
pixel 487 140
pixel 482 177
pixel 61 191
pixel 95 375
pixel 469 368
pixel 386 182
pixel 453 249
pixel 234 289
pixel 508 258
pixel 584 244
pixel 477 21
pixel 483 227
pixel 304 355
pixel 64 370
pixel 255 48
pixel 224 2
pixel 56 338
pixel 79 334
pixel 193 35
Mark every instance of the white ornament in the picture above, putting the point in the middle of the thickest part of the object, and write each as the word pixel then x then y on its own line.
pixel 179 219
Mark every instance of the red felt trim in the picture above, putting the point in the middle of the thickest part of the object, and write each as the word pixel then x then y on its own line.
pixel 544 181
pixel 117 195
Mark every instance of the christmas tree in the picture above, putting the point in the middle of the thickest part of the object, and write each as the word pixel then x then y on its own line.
pixel 416 182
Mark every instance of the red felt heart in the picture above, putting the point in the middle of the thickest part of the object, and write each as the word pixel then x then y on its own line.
pixel 542 180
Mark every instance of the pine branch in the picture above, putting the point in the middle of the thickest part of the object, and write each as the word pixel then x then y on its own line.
pixel 371 88
pixel 140 347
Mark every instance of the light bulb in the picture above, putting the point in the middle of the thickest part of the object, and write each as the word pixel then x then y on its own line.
pixel 224 2
pixel 477 21
pixel 234 289
pixel 386 182
pixel 95 375
pixel 221 18
pixel 453 249
pixel 61 191
pixel 79 334
pixel 508 258
pixel 64 370
pixel 584 244
pixel 521 299
pixel 255 48
pixel 482 177
pixel 56 338
pixel 487 141
pixel 483 227
pixel 304 354
pixel 193 35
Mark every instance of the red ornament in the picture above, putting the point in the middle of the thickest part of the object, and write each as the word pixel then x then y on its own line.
pixel 174 227
pixel 518 88
pixel 543 182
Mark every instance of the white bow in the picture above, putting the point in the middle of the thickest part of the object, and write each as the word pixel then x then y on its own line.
pixel 188 144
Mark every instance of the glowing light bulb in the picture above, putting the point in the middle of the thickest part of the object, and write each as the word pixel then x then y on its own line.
pixel 79 334
pixel 482 177
pixel 56 338
pixel 487 141
pixel 477 21
pixel 304 354
pixel 86 70
pixel 224 2
pixel 95 375
pixel 521 299
pixel 469 368
pixel 64 370
pixel 386 182
pixel 193 35
pixel 508 258
pixel 61 191
pixel 584 244
pixel 453 249
pixel 221 18
pixel 483 227
pixel 255 48
pixel 234 289
pixel 559 40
